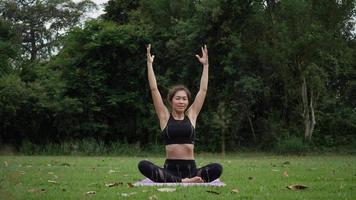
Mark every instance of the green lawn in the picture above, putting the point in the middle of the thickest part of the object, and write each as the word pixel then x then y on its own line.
pixel 256 176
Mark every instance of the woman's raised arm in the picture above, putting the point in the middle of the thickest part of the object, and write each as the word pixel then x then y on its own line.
pixel 196 106
pixel 161 109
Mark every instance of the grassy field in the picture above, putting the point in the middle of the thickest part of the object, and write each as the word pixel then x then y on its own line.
pixel 248 176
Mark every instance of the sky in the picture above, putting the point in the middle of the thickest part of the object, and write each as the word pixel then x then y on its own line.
pixel 96 13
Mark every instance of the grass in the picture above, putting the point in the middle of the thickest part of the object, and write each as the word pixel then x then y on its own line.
pixel 256 176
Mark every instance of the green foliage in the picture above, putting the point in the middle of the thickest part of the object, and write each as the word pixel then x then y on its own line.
pixel 41 22
pixel 292 145
pixel 99 75
pixel 9 45
pixel 13 98
pixel 261 55
pixel 13 94
pixel 119 10
pixel 337 125
pixel 88 147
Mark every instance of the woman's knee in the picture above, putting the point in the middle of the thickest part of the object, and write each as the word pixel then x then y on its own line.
pixel 218 167
pixel 144 165
pixel 210 172
pixel 215 169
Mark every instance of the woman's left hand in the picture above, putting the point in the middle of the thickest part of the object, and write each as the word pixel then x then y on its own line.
pixel 204 58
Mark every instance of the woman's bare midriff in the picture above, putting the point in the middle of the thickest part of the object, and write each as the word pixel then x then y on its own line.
pixel 180 151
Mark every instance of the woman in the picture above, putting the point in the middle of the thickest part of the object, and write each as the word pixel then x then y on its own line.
pixel 178 131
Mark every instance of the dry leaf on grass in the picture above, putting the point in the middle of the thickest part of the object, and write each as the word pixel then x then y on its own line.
pixel 65 164
pixel 90 192
pixel 297 187
pixel 130 185
pixel 112 184
pixel 153 197
pixel 51 173
pixel 5 163
pixel 128 194
pixel 37 190
pixel 54 182
pixel 213 192
pixel 285 173
pixel 235 190
pixel 166 189
pixel 125 194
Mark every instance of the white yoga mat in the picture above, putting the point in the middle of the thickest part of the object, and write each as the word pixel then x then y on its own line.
pixel 148 182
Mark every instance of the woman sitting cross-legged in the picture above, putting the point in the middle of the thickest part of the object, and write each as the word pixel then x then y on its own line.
pixel 178 131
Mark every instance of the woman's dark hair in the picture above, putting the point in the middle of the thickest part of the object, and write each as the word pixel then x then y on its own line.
pixel 174 89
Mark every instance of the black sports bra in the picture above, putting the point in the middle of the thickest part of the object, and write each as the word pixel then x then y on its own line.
pixel 178 131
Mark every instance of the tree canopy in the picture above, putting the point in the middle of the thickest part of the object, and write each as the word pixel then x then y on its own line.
pixel 278 70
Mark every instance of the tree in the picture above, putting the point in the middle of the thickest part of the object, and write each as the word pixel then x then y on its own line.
pixel 42 22
pixel 9 47
pixel 103 71
pixel 119 10
pixel 278 70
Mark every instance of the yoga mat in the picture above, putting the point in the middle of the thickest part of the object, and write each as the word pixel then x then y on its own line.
pixel 148 182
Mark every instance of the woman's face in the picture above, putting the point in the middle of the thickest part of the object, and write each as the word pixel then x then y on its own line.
pixel 180 101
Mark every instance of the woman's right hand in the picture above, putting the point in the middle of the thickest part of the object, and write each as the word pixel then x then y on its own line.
pixel 149 56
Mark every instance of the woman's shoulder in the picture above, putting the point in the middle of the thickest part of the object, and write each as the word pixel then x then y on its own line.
pixel 191 119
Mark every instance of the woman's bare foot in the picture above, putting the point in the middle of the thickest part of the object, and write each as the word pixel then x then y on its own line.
pixel 195 179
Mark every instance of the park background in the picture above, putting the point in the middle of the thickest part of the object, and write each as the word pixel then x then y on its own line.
pixel 282 74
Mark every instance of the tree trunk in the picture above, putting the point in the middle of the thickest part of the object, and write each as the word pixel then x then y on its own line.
pixel 252 129
pixel 308 111
pixel 313 122
pixel 33 48
pixel 223 142
pixel 305 109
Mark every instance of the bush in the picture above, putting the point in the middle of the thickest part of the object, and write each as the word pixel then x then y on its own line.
pixel 87 147
pixel 123 148
pixel 292 145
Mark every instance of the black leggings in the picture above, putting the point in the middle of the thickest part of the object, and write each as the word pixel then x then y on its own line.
pixel 176 170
